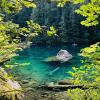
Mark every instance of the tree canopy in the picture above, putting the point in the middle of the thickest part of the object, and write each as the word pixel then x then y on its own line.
pixel 10 42
pixel 90 9
pixel 11 32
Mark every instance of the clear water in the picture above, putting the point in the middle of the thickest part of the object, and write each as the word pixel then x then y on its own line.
pixel 39 71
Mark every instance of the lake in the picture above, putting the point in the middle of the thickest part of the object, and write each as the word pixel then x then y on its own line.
pixel 39 71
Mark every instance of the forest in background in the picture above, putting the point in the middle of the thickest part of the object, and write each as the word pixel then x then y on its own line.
pixel 64 19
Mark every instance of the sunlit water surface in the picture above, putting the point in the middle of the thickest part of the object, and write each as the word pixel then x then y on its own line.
pixel 35 69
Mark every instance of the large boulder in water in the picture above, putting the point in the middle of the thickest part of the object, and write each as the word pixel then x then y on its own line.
pixel 62 56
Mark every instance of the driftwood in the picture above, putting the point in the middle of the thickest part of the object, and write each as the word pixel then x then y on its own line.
pixel 53 71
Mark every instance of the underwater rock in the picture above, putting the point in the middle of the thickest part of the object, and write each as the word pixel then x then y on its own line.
pixel 25 81
pixel 65 82
pixel 29 89
pixel 29 84
pixel 51 59
pixel 51 84
pixel 63 56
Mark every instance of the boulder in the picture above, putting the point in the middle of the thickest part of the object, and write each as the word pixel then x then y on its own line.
pixel 9 89
pixel 63 56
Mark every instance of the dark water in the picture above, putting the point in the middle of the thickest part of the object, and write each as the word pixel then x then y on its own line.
pixel 37 70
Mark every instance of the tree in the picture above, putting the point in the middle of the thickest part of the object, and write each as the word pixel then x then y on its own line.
pixel 11 32
pixel 66 21
pixel 90 9
pixel 88 75
pixel 11 41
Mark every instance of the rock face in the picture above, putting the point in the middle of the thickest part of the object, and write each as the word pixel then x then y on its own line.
pixel 63 56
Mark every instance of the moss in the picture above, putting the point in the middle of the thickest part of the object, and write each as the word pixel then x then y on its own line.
pixel 9 89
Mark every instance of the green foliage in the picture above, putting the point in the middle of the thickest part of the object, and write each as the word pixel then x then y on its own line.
pixel 61 3
pixel 87 75
pixel 78 1
pixel 91 12
pixel 51 31
pixel 34 27
pixel 79 94
pixel 10 43
pixel 65 20
pixel 10 32
pixel 14 6
pixel 89 9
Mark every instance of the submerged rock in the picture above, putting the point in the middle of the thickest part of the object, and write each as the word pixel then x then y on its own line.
pixel 51 59
pixel 25 81
pixel 65 82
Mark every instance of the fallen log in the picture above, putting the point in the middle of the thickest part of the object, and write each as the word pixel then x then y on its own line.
pixel 62 87
pixel 53 71
pixel 56 87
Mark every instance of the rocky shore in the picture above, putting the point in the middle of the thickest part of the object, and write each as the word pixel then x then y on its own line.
pixel 45 95
pixel 35 91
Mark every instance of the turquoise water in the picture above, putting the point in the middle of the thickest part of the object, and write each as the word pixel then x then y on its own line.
pixel 37 70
